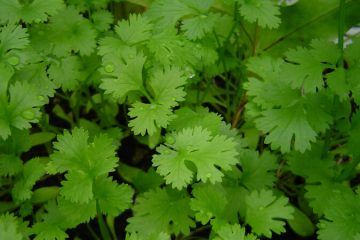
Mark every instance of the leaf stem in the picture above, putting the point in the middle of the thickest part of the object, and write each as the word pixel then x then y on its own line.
pixel 311 21
pixel 103 229
pixel 92 233
pixel 341 31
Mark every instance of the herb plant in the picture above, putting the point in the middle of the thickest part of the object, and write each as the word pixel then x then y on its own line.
pixel 179 119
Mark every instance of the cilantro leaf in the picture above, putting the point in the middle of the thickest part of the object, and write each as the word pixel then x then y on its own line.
pixel 72 213
pixel 186 118
pixel 272 90
pixel 198 26
pixel 36 75
pixel 167 86
pixel 86 5
pixel 319 173
pixel 304 67
pixel 343 217
pixel 102 20
pixel 264 212
pixel 258 171
pixel 38 10
pixel 209 202
pixel 134 30
pixel 69 31
pixel 159 236
pixel 13 37
pixel 288 115
pixel 12 228
pixel 168 12
pixel 311 165
pixel 284 125
pixel 264 12
pixel 169 48
pixel 78 187
pixel 81 160
pixel 66 72
pixel 53 225
pixel 21 110
pixel 10 164
pixel 161 210
pixel 113 198
pixel 126 75
pixel 149 117
pixel 143 181
pixel 167 89
pixel 232 232
pixel 33 170
pixel 74 152
pixel 196 145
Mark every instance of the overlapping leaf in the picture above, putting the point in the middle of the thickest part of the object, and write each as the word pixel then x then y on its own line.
pixel 198 146
pixel 265 213
pixel 161 210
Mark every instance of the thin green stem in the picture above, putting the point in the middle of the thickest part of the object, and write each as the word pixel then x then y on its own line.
pixel 92 233
pixel 105 235
pixel 247 34
pixel 341 31
pixel 306 24
pixel 256 39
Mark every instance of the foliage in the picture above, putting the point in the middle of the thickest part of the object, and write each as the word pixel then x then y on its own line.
pixel 179 119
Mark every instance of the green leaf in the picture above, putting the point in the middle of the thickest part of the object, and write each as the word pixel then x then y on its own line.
pixel 343 218
pixel 102 20
pixel 265 13
pixel 301 224
pixel 148 118
pixel 113 198
pixel 258 171
pixel 187 118
pixel 127 75
pixel 66 73
pixel 74 153
pixel 78 187
pixel 285 125
pixel 12 228
pixel 134 30
pixel 41 138
pixel 36 75
pixel 69 31
pixel 21 110
pixel 44 194
pixel 196 145
pixel 167 86
pixel 209 202
pixel 159 236
pixel 168 12
pixel 12 37
pixel 53 224
pixel 161 210
pixel 10 165
pixel 265 212
pixel 33 170
pixel 72 214
pixel 272 90
pixel 232 232
pixel 304 67
pixel 143 181
pixel 38 10
pixel 198 26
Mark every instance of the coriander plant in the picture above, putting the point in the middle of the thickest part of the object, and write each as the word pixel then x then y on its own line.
pixel 179 119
